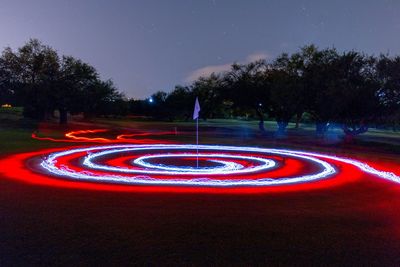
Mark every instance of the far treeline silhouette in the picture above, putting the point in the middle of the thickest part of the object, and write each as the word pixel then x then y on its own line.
pixel 41 81
pixel 350 89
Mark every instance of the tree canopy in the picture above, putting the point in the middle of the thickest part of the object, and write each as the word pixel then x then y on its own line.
pixel 349 89
pixel 40 80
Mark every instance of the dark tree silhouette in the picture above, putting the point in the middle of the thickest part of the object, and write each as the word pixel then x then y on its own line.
pixel 43 82
pixel 209 90
pixel 358 85
pixel 388 71
pixel 34 68
pixel 349 89
pixel 76 81
pixel 285 91
pixel 318 72
pixel 246 87
pixel 8 89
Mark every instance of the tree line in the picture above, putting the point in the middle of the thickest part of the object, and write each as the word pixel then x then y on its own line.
pixel 36 77
pixel 350 89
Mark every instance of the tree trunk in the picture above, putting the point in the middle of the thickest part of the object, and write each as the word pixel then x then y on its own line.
pixel 63 115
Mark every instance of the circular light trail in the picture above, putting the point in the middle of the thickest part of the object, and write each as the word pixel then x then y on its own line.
pixel 145 165
pixel 142 175
pixel 226 165
pixel 227 168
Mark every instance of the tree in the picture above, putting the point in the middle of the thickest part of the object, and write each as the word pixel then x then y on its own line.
pixel 43 82
pixel 77 81
pixel 245 86
pixel 318 75
pixel 286 94
pixel 34 69
pixel 101 98
pixel 208 89
pixel 339 88
pixel 179 103
pixel 358 86
pixel 388 72
pixel 155 105
pixel 8 92
pixel 137 107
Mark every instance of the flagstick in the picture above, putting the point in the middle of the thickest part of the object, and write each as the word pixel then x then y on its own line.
pixel 196 117
pixel 197 140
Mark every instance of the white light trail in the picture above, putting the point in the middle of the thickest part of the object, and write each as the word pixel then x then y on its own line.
pixel 229 167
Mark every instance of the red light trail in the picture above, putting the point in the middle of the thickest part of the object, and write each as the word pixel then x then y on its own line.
pixel 74 137
pixel 134 166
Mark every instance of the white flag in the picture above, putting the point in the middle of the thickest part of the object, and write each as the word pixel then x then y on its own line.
pixel 196 109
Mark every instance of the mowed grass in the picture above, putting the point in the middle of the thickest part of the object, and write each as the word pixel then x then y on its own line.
pixel 15 134
pixel 15 140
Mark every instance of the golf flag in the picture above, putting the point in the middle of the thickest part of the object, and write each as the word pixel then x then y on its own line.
pixel 196 109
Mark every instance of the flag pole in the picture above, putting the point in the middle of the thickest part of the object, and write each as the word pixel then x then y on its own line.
pixel 197 140
pixel 196 117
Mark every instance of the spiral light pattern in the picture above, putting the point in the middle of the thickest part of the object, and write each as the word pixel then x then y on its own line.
pixel 225 165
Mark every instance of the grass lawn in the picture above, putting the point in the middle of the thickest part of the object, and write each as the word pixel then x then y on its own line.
pixel 353 224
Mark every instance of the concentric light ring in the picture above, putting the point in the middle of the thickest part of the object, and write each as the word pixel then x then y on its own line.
pixel 49 164
pixel 227 169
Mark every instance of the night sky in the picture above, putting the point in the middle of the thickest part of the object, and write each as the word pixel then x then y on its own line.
pixel 146 46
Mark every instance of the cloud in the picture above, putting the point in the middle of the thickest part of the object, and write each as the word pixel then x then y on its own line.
pixel 256 56
pixel 208 70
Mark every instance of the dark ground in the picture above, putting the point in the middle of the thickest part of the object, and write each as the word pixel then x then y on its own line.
pixel 355 224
